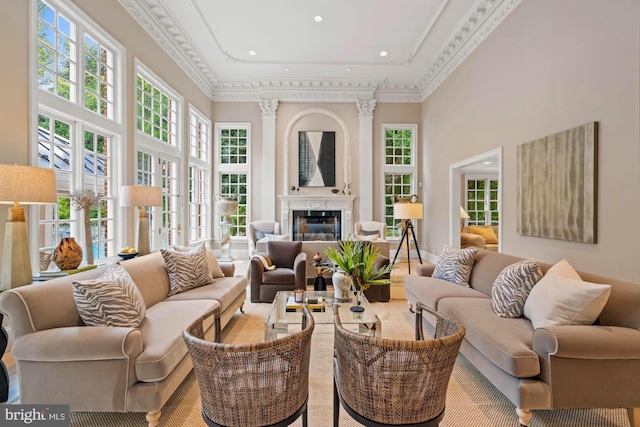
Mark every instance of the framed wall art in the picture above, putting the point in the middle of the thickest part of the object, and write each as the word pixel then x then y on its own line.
pixel 316 159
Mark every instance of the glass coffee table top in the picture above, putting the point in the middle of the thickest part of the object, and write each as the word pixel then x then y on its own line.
pixel 321 304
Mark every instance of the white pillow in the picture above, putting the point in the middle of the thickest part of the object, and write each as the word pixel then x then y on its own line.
pixel 562 298
pixel 275 237
pixel 366 238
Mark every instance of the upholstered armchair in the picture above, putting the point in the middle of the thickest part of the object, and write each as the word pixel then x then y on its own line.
pixel 257 231
pixel 482 237
pixel 367 229
pixel 289 272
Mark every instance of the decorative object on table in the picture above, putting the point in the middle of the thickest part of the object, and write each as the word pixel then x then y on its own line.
pixel 141 196
pixel 407 209
pixel 83 200
pixel 346 190
pixel 335 191
pixel 317 257
pixel 128 253
pixel 557 185
pixel 68 254
pixel 316 159
pixel 21 185
pixel 356 260
pixel 227 205
pixel 463 215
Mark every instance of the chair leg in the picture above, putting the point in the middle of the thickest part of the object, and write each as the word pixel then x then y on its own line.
pixel 336 405
pixel 304 417
pixel 634 416
pixel 152 418
pixel 524 416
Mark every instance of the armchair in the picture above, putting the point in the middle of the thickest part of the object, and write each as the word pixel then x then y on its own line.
pixel 289 274
pixel 366 229
pixel 257 230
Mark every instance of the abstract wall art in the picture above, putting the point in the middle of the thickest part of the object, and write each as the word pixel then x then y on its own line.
pixel 316 159
pixel 557 185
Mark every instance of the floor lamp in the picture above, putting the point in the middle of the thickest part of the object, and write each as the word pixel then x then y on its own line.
pixel 29 186
pixel 141 196
pixel 407 211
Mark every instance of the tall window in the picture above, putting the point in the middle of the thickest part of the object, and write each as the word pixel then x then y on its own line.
pixel 481 200
pixel 79 131
pixel 233 164
pixel 400 169
pixel 199 170
pixel 156 110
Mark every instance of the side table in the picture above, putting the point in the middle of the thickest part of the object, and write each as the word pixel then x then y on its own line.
pixel 320 283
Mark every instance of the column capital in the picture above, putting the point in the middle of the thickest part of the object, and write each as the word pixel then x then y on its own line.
pixel 365 107
pixel 268 107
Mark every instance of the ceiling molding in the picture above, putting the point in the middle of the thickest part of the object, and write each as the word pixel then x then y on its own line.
pixel 487 15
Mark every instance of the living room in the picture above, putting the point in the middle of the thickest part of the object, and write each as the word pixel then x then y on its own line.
pixel 547 67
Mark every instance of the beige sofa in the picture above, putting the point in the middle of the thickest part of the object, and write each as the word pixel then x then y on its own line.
pixel 61 361
pixel 555 367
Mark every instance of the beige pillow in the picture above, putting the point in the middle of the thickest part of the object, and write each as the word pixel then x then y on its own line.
pixel 454 265
pixel 486 231
pixel 186 270
pixel 212 261
pixel 561 297
pixel 110 300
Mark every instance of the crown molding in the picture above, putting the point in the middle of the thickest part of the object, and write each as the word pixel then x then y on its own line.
pixel 154 19
pixel 477 26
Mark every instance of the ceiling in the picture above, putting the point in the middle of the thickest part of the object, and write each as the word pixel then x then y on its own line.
pixel 339 58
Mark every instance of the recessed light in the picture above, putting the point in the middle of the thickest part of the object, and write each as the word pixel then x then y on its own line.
pixel 287 69
pixel 487 163
pixel 383 53
pixel 318 18
pixel 252 52
pixel 348 68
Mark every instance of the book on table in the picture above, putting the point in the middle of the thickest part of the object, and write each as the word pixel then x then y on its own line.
pixel 293 305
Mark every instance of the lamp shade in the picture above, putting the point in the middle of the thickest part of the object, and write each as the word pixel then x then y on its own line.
pixel 27 185
pixel 140 195
pixel 463 213
pixel 407 211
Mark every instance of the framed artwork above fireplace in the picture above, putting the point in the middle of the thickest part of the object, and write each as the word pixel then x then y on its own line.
pixel 316 159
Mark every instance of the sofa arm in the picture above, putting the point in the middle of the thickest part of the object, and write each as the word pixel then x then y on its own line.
pixel 587 342
pixel 300 270
pixel 228 268
pixel 80 343
pixel 472 240
pixel 426 269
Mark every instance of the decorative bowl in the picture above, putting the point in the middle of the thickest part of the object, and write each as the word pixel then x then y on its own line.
pixel 127 255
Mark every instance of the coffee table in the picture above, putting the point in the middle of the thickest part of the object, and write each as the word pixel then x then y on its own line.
pixel 279 318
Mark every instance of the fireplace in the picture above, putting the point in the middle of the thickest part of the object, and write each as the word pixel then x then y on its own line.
pixel 339 206
pixel 317 225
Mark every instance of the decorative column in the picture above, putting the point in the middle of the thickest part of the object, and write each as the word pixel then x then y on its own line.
pixel 365 155
pixel 268 180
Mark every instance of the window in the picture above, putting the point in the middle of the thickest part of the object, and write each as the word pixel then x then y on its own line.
pixel 199 172
pixel 481 200
pixel 156 113
pixel 78 70
pixel 233 165
pixel 400 169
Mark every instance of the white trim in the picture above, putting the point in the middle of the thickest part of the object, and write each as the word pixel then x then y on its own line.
pixel 202 164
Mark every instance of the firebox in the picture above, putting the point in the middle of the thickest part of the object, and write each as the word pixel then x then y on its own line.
pixel 317 225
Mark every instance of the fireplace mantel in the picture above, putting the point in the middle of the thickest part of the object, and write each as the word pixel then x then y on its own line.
pixel 288 203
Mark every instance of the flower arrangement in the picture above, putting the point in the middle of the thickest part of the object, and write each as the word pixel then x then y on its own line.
pixel 84 200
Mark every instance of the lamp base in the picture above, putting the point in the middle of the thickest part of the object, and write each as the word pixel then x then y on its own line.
pixel 16 260
pixel 143 233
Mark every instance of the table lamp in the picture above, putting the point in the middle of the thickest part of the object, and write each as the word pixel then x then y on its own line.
pixel 463 215
pixel 141 196
pixel 30 186
pixel 407 211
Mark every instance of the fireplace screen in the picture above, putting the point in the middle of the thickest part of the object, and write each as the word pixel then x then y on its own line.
pixel 317 225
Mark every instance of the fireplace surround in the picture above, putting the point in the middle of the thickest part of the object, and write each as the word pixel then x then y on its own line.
pixel 318 209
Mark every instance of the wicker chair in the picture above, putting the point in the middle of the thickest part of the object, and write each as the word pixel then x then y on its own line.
pixel 385 382
pixel 245 385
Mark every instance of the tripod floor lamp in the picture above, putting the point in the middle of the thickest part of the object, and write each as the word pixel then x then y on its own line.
pixel 407 211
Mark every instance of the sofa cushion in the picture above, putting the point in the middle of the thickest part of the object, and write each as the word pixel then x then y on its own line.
pixel 150 276
pixel 506 342
pixel 454 265
pixel 186 270
pixel 561 297
pixel 429 290
pixel 224 290
pixel 110 300
pixel 512 286
pixel 163 345
pixel 278 276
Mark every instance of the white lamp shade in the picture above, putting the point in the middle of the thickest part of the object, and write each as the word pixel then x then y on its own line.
pixel 463 213
pixel 407 211
pixel 27 185
pixel 140 195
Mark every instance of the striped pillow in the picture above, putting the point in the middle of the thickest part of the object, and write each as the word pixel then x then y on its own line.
pixel 512 286
pixel 112 299
pixel 187 270
pixel 454 265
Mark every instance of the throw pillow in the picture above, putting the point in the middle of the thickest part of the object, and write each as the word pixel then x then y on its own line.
pixel 276 237
pixel 561 299
pixel 454 265
pixel 512 287
pixel 186 270
pixel 260 234
pixel 366 238
pixel 369 233
pixel 265 259
pixel 212 261
pixel 110 300
pixel 486 231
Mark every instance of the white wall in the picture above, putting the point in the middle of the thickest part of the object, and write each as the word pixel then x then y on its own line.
pixel 550 66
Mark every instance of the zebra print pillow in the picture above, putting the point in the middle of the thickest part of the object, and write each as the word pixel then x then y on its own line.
pixel 454 265
pixel 512 286
pixel 112 299
pixel 187 270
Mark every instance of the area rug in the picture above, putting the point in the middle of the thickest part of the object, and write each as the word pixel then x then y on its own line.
pixel 471 399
